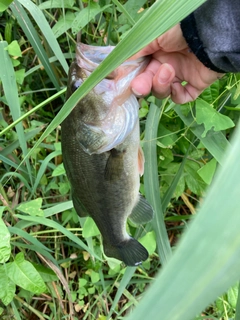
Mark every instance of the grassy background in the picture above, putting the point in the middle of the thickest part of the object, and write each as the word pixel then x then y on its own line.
pixel 51 261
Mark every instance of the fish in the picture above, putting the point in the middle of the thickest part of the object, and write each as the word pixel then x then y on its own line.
pixel 101 152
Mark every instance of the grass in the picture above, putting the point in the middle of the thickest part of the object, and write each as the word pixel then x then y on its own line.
pixel 51 261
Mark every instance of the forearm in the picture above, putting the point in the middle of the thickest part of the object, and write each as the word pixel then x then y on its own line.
pixel 213 34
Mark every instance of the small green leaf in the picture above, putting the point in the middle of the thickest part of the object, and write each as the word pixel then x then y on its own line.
pixel 2 208
pixel 4 4
pixel 58 171
pixel 86 15
pixel 23 274
pixel 90 229
pixel 207 171
pixel 94 275
pixel 149 242
pixel 209 117
pixel 33 208
pixel 7 287
pixel 14 49
pixel 5 247
pixel 20 74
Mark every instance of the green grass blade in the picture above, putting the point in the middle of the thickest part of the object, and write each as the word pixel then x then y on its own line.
pixel 207 260
pixel 55 225
pixel 159 18
pixel 33 38
pixel 43 168
pixel 41 21
pixel 124 11
pixel 9 84
pixel 169 193
pixel 215 142
pixel 237 314
pixel 129 272
pixel 151 184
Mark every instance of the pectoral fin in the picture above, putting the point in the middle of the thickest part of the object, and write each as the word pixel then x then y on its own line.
pixel 114 166
pixel 142 212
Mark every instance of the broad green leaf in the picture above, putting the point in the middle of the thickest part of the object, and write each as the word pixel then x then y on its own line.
pixel 23 274
pixel 5 247
pixel 209 117
pixel 46 274
pixel 207 260
pixel 32 207
pixel 14 49
pixel 86 15
pixel 208 170
pixel 7 287
pixel 215 142
pixel 90 229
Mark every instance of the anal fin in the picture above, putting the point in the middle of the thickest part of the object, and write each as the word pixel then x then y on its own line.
pixel 142 212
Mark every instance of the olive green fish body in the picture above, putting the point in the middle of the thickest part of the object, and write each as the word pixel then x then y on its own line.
pixel 101 157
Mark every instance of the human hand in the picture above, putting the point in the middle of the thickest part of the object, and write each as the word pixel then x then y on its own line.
pixel 171 64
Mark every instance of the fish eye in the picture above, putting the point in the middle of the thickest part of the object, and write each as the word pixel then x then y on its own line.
pixel 76 84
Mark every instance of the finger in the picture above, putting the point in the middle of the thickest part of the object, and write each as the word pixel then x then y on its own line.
pixel 162 81
pixel 142 84
pixel 183 94
pixel 149 49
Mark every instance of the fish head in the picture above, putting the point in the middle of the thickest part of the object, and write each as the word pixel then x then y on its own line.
pixel 109 112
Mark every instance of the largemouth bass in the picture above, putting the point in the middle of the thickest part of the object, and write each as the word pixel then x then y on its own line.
pixel 102 154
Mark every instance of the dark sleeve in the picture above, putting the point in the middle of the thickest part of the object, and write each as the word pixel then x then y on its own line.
pixel 213 34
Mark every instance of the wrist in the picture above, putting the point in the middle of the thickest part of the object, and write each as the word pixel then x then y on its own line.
pixel 190 33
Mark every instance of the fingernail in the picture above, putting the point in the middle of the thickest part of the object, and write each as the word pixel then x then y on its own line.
pixel 138 94
pixel 164 75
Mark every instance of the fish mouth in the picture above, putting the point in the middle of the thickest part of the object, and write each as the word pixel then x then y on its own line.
pixel 89 57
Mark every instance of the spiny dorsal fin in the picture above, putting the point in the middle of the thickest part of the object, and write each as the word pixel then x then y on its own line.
pixel 142 212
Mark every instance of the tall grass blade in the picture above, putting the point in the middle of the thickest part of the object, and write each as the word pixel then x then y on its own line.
pixel 9 84
pixel 61 229
pixel 170 191
pixel 207 260
pixel 159 18
pixel 33 38
pixel 41 21
pixel 129 272
pixel 151 184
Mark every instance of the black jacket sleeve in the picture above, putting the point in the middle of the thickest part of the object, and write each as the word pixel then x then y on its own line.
pixel 213 34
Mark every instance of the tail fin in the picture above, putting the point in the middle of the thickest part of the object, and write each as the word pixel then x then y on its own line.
pixel 130 251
